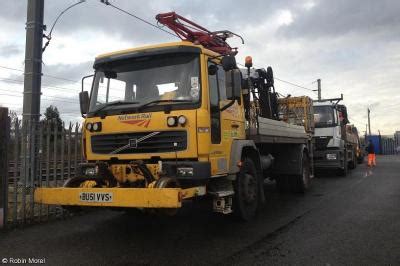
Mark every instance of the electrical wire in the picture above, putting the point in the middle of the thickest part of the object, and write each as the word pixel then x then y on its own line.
pixel 284 81
pixel 47 98
pixel 43 86
pixel 46 75
pixel 293 84
pixel 107 3
pixel 48 37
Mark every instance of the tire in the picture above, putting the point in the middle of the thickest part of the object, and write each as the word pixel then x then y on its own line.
pixel 300 183
pixel 343 172
pixel 246 197
pixel 353 162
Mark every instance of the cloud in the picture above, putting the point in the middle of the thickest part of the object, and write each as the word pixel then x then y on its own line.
pixel 341 17
pixel 353 46
pixel 11 50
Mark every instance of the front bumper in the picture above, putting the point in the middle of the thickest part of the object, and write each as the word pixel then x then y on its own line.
pixel 120 197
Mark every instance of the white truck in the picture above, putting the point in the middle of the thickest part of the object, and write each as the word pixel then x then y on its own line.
pixel 335 148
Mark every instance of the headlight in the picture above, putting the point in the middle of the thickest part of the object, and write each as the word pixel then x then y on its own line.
pixel 331 156
pixel 172 121
pixel 91 171
pixel 182 120
pixel 93 127
pixel 89 126
pixel 97 126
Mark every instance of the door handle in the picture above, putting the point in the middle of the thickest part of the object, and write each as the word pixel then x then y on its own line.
pixel 234 125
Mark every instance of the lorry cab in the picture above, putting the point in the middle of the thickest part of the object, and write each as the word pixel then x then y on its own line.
pixel 162 105
pixel 329 143
pixel 327 126
pixel 335 145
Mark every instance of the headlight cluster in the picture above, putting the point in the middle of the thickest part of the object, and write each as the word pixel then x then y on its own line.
pixel 173 121
pixel 93 127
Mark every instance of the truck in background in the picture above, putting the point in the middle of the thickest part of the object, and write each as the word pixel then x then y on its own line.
pixel 360 151
pixel 335 146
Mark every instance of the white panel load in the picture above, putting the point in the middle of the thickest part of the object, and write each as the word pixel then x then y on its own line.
pixel 270 127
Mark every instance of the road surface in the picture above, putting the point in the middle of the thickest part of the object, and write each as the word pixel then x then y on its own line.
pixel 353 220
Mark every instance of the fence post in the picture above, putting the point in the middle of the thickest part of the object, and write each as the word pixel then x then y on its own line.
pixel 4 138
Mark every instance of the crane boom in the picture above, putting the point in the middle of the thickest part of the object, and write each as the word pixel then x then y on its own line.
pixel 187 30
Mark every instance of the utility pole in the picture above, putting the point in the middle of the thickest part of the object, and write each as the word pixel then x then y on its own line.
pixel 32 90
pixel 319 89
pixel 33 61
pixel 369 122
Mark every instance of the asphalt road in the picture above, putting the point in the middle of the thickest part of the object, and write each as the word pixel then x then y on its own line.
pixel 353 221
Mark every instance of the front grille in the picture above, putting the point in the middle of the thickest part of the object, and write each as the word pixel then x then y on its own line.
pixel 127 143
pixel 321 143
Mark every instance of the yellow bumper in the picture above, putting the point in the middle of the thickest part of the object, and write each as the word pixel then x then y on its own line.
pixel 120 197
pixel 117 197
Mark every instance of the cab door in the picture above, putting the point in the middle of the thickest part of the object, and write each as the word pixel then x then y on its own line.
pixel 226 125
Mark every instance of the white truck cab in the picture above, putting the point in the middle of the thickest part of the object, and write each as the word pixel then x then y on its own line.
pixel 330 144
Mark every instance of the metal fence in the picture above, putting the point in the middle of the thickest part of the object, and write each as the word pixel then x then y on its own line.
pixel 390 146
pixel 58 153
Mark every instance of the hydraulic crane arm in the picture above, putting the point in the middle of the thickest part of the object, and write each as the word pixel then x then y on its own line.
pixel 189 31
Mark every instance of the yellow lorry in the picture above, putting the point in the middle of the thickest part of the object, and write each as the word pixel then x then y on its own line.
pixel 168 123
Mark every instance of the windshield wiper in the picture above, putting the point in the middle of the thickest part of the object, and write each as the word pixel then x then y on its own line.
pixel 163 101
pixel 112 104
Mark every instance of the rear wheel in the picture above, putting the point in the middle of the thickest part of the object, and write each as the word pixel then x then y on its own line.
pixel 246 197
pixel 300 183
pixel 353 162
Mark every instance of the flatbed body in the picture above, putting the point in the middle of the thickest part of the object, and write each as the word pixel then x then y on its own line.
pixel 277 132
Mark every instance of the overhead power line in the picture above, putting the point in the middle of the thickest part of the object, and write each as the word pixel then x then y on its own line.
pixel 48 98
pixel 293 84
pixel 48 36
pixel 284 81
pixel 107 3
pixel 46 75
pixel 44 85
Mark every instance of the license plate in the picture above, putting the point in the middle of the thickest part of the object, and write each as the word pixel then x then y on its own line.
pixel 96 196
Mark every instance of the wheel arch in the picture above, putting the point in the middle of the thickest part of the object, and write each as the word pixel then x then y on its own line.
pixel 241 148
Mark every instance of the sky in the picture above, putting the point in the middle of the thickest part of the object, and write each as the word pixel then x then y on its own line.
pixel 353 46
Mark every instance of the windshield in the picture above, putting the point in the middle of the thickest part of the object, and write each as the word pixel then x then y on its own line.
pixel 160 80
pixel 324 116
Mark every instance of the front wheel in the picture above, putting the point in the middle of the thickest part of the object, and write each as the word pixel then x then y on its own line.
pixel 343 171
pixel 246 197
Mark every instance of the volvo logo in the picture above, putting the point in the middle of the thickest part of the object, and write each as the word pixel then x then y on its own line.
pixel 133 143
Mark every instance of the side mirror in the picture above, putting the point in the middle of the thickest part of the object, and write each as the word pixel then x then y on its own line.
pixel 228 62
pixel 84 97
pixel 84 102
pixel 343 117
pixel 233 84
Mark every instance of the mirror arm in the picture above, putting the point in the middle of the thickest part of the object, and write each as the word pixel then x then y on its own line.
pixel 227 105
pixel 85 77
